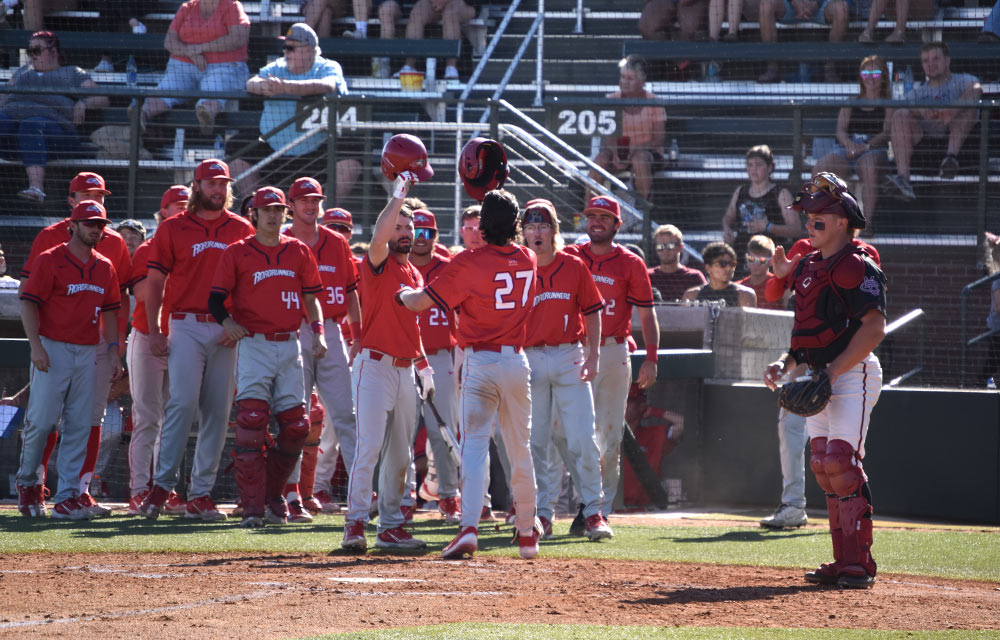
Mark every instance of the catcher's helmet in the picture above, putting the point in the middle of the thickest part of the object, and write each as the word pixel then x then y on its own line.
pixel 482 167
pixel 404 152
pixel 828 193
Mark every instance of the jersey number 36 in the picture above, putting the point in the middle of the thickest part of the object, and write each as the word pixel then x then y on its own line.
pixel 507 287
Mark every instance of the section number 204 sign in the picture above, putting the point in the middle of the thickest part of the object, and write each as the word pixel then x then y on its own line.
pixel 566 121
pixel 312 114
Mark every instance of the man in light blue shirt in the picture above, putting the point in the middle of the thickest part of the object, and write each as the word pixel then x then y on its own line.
pixel 302 71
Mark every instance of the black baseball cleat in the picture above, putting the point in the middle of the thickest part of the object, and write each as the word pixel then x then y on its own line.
pixel 579 525
pixel 827 573
pixel 856 582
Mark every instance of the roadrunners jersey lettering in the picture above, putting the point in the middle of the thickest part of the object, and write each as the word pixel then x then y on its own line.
pixel 623 281
pixel 112 246
pixel 336 270
pixel 139 270
pixel 831 297
pixel 437 327
pixel 493 288
pixel 187 249
pixel 71 295
pixel 566 292
pixel 386 326
pixel 267 285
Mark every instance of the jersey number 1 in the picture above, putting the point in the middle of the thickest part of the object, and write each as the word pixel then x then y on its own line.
pixel 508 287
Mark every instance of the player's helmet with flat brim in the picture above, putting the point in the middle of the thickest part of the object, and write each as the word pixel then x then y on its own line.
pixel 828 193
pixel 404 152
pixel 482 166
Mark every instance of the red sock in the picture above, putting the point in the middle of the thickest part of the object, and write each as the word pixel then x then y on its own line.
pixel 50 445
pixel 90 460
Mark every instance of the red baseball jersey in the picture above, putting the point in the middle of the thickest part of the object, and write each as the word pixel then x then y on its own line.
pixel 566 292
pixel 762 301
pixel 187 249
pixel 71 294
pixel 139 270
pixel 385 325
pixel 267 284
pixel 493 288
pixel 344 324
pixel 336 269
pixel 112 246
pixel 437 327
pixel 623 281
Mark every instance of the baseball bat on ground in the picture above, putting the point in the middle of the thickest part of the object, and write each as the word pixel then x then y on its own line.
pixel 648 478
pixel 449 437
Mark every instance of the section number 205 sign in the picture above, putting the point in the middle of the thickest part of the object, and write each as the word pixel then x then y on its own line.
pixel 568 122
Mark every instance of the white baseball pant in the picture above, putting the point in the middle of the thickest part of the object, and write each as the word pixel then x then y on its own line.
pixel 150 389
pixel 849 411
pixel 610 388
pixel 270 371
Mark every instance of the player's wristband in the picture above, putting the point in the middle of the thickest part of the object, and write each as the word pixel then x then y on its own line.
pixel 354 329
pixel 113 344
pixel 651 356
pixel 421 363
pixel 318 328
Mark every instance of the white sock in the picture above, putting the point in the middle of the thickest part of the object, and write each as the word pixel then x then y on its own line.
pixel 361 28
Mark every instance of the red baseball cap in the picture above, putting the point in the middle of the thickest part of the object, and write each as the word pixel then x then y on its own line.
pixel 88 181
pixel 89 210
pixel 424 219
pixel 212 169
pixel 532 207
pixel 338 216
pixel 176 193
pixel 603 205
pixel 268 197
pixel 305 188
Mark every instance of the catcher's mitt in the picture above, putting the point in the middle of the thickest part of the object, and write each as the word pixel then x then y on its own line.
pixel 806 396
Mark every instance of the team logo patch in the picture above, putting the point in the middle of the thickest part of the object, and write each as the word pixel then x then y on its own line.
pixel 208 244
pixel 93 208
pixel 601 202
pixel 806 282
pixel 79 288
pixel 215 166
pixel 604 279
pixel 94 181
pixel 870 286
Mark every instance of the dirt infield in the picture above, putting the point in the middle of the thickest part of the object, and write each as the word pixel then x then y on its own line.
pixel 255 595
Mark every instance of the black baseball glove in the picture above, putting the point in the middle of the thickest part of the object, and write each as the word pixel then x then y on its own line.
pixel 806 396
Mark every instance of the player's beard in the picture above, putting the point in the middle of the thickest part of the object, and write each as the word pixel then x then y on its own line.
pixel 398 246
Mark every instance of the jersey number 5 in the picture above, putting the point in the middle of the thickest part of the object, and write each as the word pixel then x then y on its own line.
pixel 508 287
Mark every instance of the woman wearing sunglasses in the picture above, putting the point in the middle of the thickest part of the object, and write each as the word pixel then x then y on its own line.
pixel 36 127
pixel 863 136
pixel 207 41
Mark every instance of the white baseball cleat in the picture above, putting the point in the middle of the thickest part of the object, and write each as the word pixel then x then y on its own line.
pixel 785 516
pixel 596 528
pixel 466 543
pixel 354 536
pixel 398 538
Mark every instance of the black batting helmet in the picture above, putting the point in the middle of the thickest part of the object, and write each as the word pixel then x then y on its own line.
pixel 482 167
pixel 828 193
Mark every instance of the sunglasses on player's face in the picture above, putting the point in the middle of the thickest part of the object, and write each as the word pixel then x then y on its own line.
pixel 667 246
pixel 423 234
pixel 757 259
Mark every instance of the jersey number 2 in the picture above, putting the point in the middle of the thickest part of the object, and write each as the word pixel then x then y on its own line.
pixel 508 287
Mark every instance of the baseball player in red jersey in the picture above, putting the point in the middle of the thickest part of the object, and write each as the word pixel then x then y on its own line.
pixel 839 320
pixel 437 331
pixel 493 287
pixel 566 308
pixel 183 254
pixel 382 378
pixel 331 376
pixel 71 289
pixel 89 186
pixel 623 281
pixel 272 279
pixel 148 373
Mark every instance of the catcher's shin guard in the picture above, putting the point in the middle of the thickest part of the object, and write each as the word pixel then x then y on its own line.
pixel 252 417
pixel 829 572
pixel 293 428
pixel 856 530
pixel 310 450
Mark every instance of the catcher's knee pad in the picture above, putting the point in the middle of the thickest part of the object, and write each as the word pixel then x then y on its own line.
pixel 842 468
pixel 293 428
pixel 817 451
pixel 252 417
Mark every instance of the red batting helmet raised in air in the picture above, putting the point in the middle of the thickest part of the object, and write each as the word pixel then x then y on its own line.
pixel 482 167
pixel 404 152
pixel 828 193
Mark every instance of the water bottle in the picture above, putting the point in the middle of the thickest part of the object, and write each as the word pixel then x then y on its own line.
pixel 219 147
pixel 907 81
pixel 712 72
pixel 131 73
pixel 991 384
pixel 675 151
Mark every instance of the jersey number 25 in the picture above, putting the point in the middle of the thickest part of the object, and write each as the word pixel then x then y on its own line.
pixel 507 287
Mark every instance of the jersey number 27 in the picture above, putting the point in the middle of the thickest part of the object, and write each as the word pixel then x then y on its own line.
pixel 507 287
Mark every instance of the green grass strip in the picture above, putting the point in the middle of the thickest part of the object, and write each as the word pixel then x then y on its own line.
pixel 953 554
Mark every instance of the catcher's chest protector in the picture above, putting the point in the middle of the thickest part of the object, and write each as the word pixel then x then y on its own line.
pixel 821 314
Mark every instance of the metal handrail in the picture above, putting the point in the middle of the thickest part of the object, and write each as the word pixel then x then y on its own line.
pixel 897 325
pixel 516 60
pixel 963 316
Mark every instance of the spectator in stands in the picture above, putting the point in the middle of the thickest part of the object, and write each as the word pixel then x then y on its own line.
pixel 991 27
pixel 36 127
pixel 720 260
pixel 825 12
pixel 760 207
pixel 320 14
pixel 207 41
pixel 910 127
pixel 657 19
pixel 640 146
pixel 734 10
pixel 133 233
pixel 760 250
pixel 452 14
pixel 863 136
pixel 991 366
pixel 118 15
pixel 921 10
pixel 472 238
pixel 6 282
pixel 670 277
pixel 36 10
pixel 302 71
